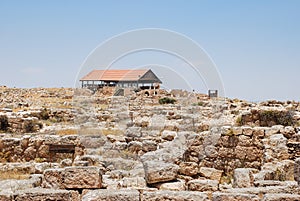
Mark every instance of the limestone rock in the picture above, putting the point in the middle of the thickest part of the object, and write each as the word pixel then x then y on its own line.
pixel 119 163
pixel 92 141
pixel 120 145
pixel 237 130
pixel 157 122
pixel 109 183
pixel 135 146
pixel 158 171
pixel 264 183
pixel 12 185
pixel 82 177
pixel 288 131
pixel 116 138
pixel 173 186
pixel 203 185
pixel 168 135
pixel 188 168
pixel 137 171
pixel 37 194
pixel 282 171
pixel 242 178
pixel 133 182
pixel 53 178
pixel 166 154
pixel 288 188
pixel 134 132
pixel 73 177
pixel 174 196
pixel 43 151
pixel 93 160
pixel 211 173
pixel 276 148
pixel 6 196
pixel 149 145
pixel 247 130
pixel 297 170
pixel 281 197
pixel 24 142
pixel 29 153
pixel 173 151
pixel 112 195
pixel 234 197
pixel 41 167
pixel 273 130
pixel 66 162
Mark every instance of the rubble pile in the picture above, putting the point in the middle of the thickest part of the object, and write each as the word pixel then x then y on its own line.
pixel 135 147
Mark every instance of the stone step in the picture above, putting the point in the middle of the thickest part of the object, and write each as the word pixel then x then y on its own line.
pixel 142 194
pixel 174 196
pixel 104 194
pixel 37 194
pixel 289 188
pixel 234 197
pixel 281 197
pixel 73 178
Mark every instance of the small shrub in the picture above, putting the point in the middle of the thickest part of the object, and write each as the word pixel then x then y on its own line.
pixel 32 126
pixel 226 179
pixel 67 132
pixel 167 100
pixel 229 133
pixel 3 123
pixel 239 121
pixel 5 156
pixel 44 115
pixel 40 160
pixel 29 127
pixel 235 112
pixel 269 117
pixel 201 103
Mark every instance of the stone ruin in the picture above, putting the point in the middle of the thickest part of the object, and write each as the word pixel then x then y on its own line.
pixel 138 149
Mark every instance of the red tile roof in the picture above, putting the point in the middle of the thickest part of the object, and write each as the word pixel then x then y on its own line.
pixel 114 75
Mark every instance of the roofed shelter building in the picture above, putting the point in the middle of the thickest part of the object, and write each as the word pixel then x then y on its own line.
pixel 144 79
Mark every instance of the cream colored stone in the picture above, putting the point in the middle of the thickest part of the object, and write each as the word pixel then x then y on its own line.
pixel 38 194
pixel 211 173
pixel 188 168
pixel 203 185
pixel 281 197
pixel 174 196
pixel 242 178
pixel 234 197
pixel 112 195
pixel 173 186
pixel 168 135
pixel 73 178
pixel 158 171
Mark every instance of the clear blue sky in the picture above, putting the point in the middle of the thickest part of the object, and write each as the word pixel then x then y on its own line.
pixel 255 44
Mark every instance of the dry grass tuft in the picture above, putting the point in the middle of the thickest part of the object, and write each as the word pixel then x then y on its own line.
pixel 67 132
pixel 90 131
pixel 13 174
pixel 112 132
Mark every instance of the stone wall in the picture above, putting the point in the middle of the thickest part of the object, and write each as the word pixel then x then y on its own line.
pixel 133 148
pixel 35 147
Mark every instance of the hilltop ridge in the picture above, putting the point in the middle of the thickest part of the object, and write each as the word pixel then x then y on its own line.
pixel 146 145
